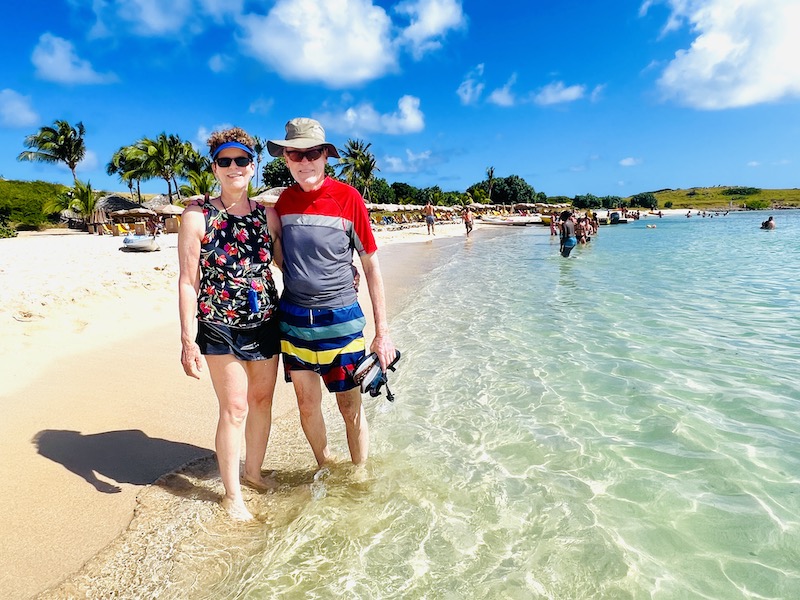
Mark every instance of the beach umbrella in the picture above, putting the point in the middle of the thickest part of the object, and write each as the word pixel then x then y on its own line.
pixel 170 209
pixel 141 211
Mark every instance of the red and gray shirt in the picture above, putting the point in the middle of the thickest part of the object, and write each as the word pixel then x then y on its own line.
pixel 320 231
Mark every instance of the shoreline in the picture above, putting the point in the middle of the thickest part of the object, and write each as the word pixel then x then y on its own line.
pixel 97 405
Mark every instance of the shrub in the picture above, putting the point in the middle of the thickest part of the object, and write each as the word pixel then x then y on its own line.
pixel 22 202
pixel 757 204
pixel 741 191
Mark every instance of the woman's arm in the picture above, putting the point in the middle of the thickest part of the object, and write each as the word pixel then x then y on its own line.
pixel 189 235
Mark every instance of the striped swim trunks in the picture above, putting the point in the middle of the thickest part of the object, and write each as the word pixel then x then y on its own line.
pixel 328 341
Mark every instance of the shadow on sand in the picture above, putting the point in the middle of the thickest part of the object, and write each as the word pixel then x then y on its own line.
pixel 128 456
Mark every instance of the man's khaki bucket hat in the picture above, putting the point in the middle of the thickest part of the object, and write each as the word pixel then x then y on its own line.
pixel 302 133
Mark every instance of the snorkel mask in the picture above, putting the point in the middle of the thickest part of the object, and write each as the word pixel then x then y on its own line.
pixel 370 378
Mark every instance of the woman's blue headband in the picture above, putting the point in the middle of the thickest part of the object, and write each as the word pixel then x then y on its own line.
pixel 222 147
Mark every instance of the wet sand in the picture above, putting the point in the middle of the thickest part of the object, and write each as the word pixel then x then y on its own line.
pixel 97 408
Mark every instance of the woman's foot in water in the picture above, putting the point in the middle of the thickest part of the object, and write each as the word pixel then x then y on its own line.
pixel 236 509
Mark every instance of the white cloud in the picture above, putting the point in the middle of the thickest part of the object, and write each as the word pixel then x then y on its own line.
pixel 630 162
pixel 341 43
pixel 16 110
pixel 431 20
pixel 89 162
pixel 203 133
pixel 55 59
pixel 471 88
pixel 558 93
pixel 412 163
pixel 218 62
pixel 753 164
pixel 597 92
pixel 156 17
pixel 504 96
pixel 744 53
pixel 363 119
pixel 222 8
pixel 261 106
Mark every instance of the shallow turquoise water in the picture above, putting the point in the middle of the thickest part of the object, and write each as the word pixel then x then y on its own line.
pixel 620 424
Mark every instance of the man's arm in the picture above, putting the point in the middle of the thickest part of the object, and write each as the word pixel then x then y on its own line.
pixel 382 345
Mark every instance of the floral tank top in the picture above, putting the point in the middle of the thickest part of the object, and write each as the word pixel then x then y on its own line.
pixel 236 285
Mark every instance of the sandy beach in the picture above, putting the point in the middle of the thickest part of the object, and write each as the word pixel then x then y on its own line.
pixel 96 405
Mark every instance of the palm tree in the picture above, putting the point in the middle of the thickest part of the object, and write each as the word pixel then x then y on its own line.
pixel 122 164
pixel 84 199
pixel 490 180
pixel 259 146
pixel 200 184
pixel 160 158
pixel 358 166
pixel 81 199
pixel 61 143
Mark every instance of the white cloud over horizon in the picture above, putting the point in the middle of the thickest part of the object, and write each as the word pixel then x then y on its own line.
pixel 363 119
pixel 503 96
pixel 743 53
pixel 558 93
pixel 16 110
pixel 471 88
pixel 630 162
pixel 55 60
pixel 412 163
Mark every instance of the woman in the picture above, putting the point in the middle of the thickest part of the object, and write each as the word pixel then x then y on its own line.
pixel 227 300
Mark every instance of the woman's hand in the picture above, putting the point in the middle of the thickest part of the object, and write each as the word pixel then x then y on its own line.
pixel 191 360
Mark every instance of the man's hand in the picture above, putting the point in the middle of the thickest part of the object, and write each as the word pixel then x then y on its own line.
pixel 383 346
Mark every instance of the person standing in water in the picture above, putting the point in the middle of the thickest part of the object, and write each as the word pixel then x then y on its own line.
pixel 568 238
pixel 228 311
pixel 469 220
pixel 323 221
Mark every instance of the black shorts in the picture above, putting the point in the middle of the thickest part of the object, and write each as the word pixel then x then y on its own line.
pixel 245 343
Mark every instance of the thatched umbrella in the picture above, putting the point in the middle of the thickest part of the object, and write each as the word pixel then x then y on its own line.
pixel 169 210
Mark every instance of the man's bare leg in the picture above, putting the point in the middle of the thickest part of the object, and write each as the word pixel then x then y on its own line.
pixel 355 422
pixel 307 388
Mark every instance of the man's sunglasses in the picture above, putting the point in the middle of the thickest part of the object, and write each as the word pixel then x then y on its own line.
pixel 299 155
pixel 225 161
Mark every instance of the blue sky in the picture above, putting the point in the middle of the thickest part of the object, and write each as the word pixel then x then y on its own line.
pixel 574 96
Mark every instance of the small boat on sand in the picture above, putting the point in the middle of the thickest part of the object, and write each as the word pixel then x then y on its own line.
pixel 140 243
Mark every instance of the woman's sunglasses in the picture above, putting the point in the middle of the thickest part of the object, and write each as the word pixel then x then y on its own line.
pixel 225 161
pixel 298 155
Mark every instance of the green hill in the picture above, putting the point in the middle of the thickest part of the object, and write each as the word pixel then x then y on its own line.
pixel 21 202
pixel 728 197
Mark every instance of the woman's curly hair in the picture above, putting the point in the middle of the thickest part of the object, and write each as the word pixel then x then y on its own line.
pixel 234 134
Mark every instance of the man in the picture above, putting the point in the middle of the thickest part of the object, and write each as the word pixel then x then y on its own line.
pixel 469 219
pixel 323 221
pixel 430 218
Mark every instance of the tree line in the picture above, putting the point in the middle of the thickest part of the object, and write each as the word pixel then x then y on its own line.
pixel 187 172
